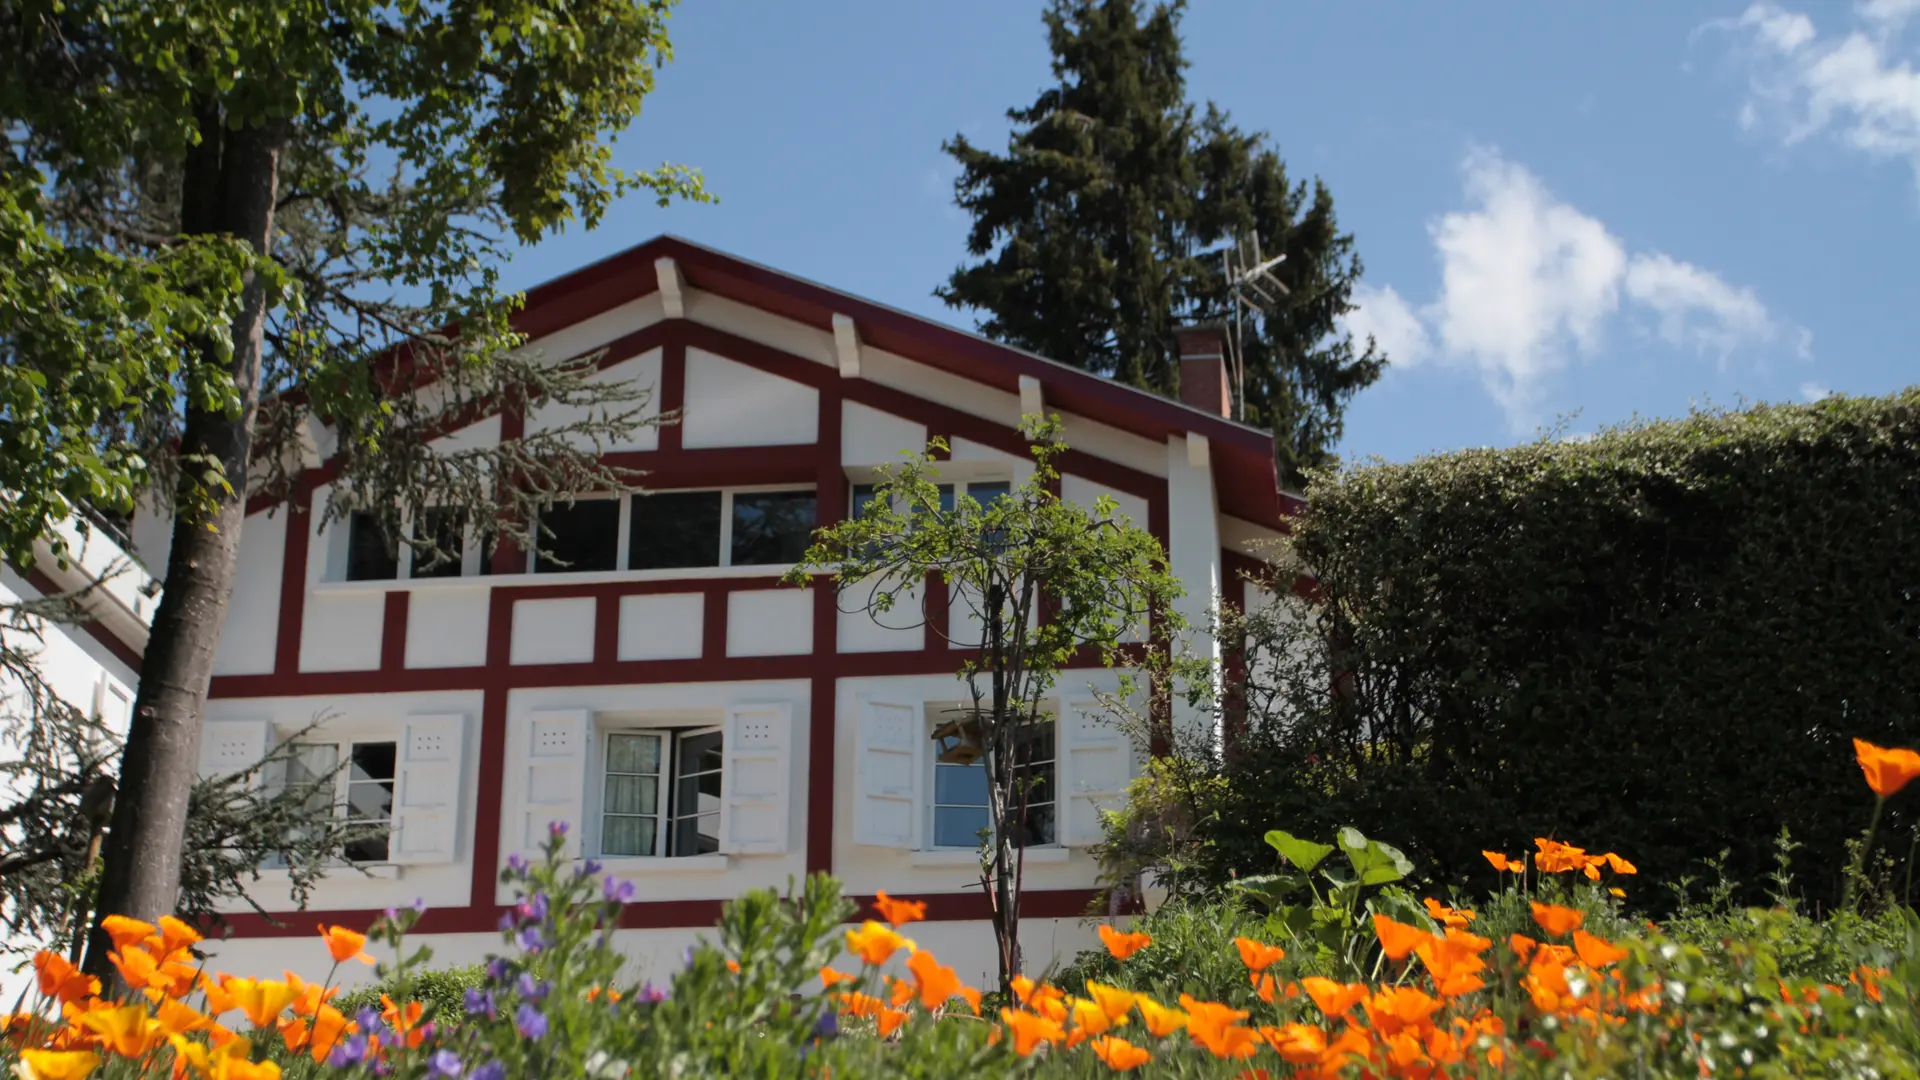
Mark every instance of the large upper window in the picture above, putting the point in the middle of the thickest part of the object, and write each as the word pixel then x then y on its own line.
pixel 371 554
pixel 579 537
pixel 679 529
pixel 960 807
pixel 441 531
pixel 984 492
pixel 362 793
pixel 440 535
pixel 661 793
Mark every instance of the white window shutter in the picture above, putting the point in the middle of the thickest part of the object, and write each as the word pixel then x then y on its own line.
pixel 757 751
pixel 1095 764
pixel 886 810
pixel 233 746
pixel 555 780
pixel 426 801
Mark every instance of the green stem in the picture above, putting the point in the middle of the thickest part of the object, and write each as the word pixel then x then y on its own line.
pixel 1860 858
pixel 1906 895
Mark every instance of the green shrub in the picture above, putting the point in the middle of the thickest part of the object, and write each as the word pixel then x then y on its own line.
pixel 445 989
pixel 1657 642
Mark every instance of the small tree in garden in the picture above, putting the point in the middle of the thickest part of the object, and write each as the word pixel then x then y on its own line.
pixel 1047 583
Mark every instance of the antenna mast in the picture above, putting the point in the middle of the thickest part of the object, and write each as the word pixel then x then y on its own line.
pixel 1252 288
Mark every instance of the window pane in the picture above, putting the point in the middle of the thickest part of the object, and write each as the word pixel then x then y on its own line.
pixel 958 826
pixel 677 529
pixel 988 494
pixel 632 794
pixel 446 527
pixel 698 835
pixel 372 761
pixel 862 498
pixel 771 528
pixel 946 498
pixel 369 849
pixel 699 753
pixel 1039 825
pixel 369 556
pixel 633 753
pixel 628 835
pixel 964 785
pixel 585 537
pixel 311 764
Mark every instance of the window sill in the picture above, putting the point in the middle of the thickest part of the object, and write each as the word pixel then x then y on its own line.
pixel 597 577
pixel 347 872
pixel 971 856
pixel 667 866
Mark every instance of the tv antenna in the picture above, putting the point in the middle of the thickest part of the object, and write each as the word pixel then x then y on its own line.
pixel 1252 289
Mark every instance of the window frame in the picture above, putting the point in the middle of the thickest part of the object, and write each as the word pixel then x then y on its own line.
pixel 933 804
pixel 342 805
pixel 725 553
pixel 665 812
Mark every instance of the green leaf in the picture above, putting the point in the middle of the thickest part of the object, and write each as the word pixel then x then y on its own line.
pixel 1303 854
pixel 1374 863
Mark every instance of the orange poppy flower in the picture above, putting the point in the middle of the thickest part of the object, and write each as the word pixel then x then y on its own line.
pixel 855 1003
pixel 1120 945
pixel 1400 1007
pixel 1619 865
pixel 889 1021
pixel 1332 998
pixel 1504 864
pixel 219 999
pixel 344 944
pixel 1160 1020
pixel 1029 1030
pixel 1557 920
pixel 329 1025
pixel 933 981
pixel 1297 1044
pixel 1118 1054
pixel 874 943
pixel 1113 1001
pixel 1258 956
pixel 899 913
pixel 125 931
pixel 1887 771
pixel 902 992
pixel 1397 939
pixel 178 1018
pixel 60 1064
pixel 262 1000
pixel 60 980
pixel 971 996
pixel 828 977
pixel 1594 952
pixel 1217 1028
pixel 126 1030
pixel 1446 916
pixel 136 965
pixel 1522 946
pixel 405 1021
pixel 176 936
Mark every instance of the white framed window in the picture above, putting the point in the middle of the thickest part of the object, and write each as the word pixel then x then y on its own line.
pixel 370 556
pixel 958 809
pixel 984 492
pixel 362 792
pixel 661 792
pixel 744 526
pixel 586 535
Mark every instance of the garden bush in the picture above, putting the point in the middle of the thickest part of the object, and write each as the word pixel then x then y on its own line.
pixel 1658 640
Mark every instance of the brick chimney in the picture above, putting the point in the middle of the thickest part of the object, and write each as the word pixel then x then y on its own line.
pixel 1203 368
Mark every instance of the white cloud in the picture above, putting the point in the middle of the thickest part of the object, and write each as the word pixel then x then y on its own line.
pixel 1860 86
pixel 1528 283
pixel 1391 322
pixel 1525 278
pixel 1696 308
pixel 1813 391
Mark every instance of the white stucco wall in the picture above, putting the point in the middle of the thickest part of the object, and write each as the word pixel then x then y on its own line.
pixel 248 638
pixel 732 404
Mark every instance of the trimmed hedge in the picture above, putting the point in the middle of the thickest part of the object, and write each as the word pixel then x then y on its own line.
pixel 1657 642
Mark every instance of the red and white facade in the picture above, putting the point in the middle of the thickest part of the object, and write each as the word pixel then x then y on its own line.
pixel 504 698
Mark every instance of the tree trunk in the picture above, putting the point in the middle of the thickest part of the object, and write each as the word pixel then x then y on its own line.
pixel 230 186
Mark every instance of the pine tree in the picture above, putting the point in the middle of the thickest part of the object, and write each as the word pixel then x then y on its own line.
pixel 1091 232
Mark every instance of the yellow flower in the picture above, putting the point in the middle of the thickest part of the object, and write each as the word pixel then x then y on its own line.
pixel 1161 1020
pixel 1113 1001
pixel 127 1030
pixel 59 1064
pixel 263 1000
pixel 874 942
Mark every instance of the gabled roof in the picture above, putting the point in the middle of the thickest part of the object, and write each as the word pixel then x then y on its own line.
pixel 1242 456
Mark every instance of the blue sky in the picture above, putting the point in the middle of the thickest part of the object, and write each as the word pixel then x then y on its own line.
pixel 1570 214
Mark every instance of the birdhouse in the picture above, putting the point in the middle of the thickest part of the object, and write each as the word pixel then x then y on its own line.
pixel 958 742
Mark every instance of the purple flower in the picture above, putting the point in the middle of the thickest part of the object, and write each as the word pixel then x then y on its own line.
pixel 444 1064
pixel 533 909
pixel 507 921
pixel 827 1026
pixel 419 905
pixel 616 890
pixel 530 1023
pixel 591 867
pixel 531 941
pixel 688 956
pixel 481 1003
pixel 392 915
pixel 370 1022
pixel 492 1070
pixel 557 829
pixel 532 989
pixel 651 994
pixel 519 866
pixel 498 969
pixel 348 1052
